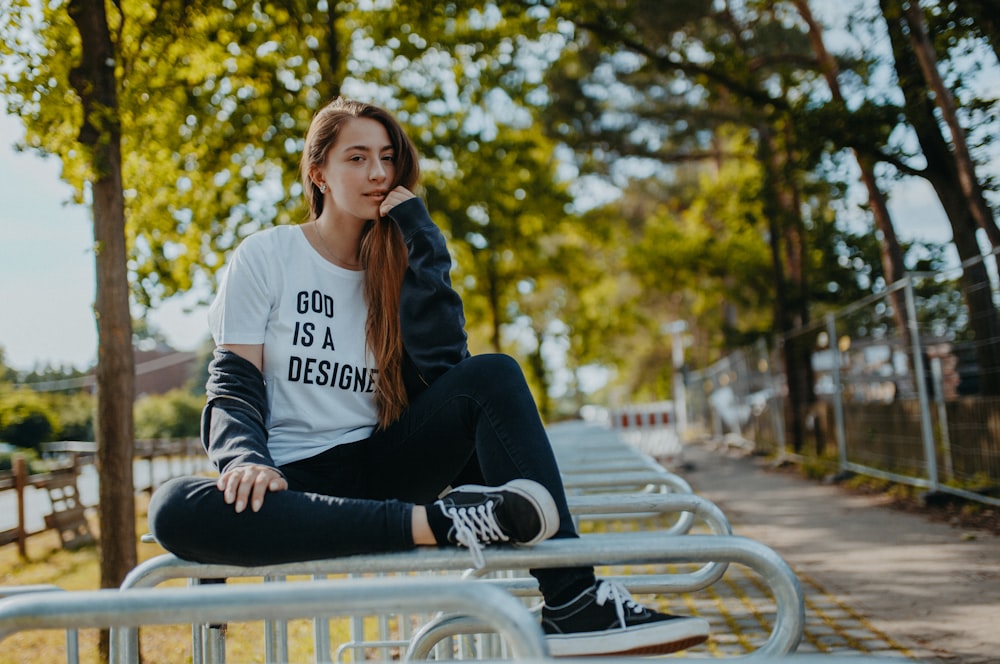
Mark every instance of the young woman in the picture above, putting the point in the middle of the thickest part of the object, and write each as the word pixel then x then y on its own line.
pixel 343 403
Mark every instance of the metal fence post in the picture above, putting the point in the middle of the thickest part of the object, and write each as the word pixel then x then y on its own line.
pixel 838 396
pixel 919 376
pixel 275 633
pixel 677 330
pixel 942 411
pixel 778 397
pixel 20 467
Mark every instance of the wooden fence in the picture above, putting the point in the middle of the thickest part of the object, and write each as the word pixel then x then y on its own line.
pixel 68 515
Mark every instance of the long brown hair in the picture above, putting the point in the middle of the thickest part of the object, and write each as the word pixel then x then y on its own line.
pixel 383 252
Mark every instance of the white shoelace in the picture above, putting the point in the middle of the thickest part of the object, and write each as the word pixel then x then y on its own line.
pixel 475 526
pixel 613 590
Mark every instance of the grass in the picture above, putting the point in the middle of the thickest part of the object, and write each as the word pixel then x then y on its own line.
pixel 48 564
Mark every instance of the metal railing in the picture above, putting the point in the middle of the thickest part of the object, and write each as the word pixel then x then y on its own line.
pixel 652 493
pixel 72 636
pixel 619 549
pixel 117 608
pixel 899 379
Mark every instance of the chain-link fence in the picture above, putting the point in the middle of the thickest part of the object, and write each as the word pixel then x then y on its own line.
pixel 903 385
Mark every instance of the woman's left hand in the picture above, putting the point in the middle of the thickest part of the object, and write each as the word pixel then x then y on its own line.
pixel 394 198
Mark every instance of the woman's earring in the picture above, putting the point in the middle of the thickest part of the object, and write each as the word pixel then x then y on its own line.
pixel 322 189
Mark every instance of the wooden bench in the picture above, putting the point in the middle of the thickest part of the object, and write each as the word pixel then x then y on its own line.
pixel 68 517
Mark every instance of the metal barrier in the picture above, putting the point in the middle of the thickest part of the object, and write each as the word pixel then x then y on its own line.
pixel 594 459
pixel 617 549
pixel 619 507
pixel 134 607
pixel 72 638
pixel 597 466
pixel 906 381
pixel 636 479
pixel 208 641
pixel 612 454
pixel 586 507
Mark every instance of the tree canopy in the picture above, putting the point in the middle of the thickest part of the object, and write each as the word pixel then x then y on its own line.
pixel 599 167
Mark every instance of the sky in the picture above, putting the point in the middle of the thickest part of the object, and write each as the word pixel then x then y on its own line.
pixel 47 272
pixel 47 263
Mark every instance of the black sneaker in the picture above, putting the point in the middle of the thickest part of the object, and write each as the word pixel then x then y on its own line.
pixel 518 512
pixel 605 620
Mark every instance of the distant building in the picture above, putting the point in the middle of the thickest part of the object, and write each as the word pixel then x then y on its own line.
pixel 163 369
pixel 157 371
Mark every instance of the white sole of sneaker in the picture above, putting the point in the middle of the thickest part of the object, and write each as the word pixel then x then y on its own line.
pixel 534 493
pixel 658 638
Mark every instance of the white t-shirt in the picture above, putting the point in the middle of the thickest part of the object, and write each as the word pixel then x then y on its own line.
pixel 310 315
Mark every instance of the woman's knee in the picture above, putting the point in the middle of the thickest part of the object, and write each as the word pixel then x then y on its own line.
pixel 173 509
pixel 496 370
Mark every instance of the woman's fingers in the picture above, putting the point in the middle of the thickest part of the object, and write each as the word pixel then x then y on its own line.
pixel 268 480
pixel 394 198
pixel 247 485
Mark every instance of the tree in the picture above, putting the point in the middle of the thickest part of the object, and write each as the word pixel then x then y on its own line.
pixel 968 181
pixel 655 83
pixel 176 414
pixel 95 81
pixel 88 138
pixel 981 17
pixel 218 98
pixel 647 81
pixel 944 174
pixel 677 97
pixel 64 390
pixel 462 76
pixel 697 252
pixel 25 418
pixel 7 374
pixel 891 255
pixel 507 204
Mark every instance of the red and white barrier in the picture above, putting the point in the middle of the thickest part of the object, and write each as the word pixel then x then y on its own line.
pixel 651 428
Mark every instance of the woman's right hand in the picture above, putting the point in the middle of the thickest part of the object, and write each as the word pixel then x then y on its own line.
pixel 247 485
pixel 398 195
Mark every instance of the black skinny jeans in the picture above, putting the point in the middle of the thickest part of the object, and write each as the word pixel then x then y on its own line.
pixel 358 498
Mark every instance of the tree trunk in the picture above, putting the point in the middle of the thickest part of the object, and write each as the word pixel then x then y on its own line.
pixel 796 387
pixel 493 295
pixel 966 170
pixel 536 366
pixel 890 252
pixel 334 58
pixel 95 82
pixel 942 173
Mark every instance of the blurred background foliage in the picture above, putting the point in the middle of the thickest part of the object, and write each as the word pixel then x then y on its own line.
pixel 601 168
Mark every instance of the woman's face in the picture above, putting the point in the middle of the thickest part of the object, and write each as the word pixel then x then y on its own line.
pixel 359 169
